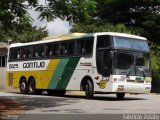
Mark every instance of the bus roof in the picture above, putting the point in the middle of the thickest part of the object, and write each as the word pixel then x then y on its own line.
pixel 76 36
pixel 69 36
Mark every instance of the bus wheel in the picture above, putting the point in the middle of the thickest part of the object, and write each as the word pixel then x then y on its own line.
pixel 88 89
pixel 120 96
pixel 23 86
pixel 32 87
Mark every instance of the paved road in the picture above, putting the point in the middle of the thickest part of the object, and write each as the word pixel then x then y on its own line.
pixel 76 104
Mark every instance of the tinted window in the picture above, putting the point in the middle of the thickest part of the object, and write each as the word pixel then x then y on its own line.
pixel 63 48
pixel 41 51
pixel 103 41
pixel 35 51
pixel 85 46
pixel 104 62
pixel 71 48
pixel 29 52
pixel 81 47
pixel 55 49
pixel 88 46
pixel 67 48
pixel 14 54
pixel 48 50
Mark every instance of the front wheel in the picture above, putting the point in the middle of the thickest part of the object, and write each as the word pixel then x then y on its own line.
pixel 120 96
pixel 89 89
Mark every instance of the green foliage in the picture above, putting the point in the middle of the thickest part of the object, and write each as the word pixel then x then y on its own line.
pixel 104 27
pixel 15 22
pixel 155 66
pixel 32 34
pixel 142 14
pixel 76 10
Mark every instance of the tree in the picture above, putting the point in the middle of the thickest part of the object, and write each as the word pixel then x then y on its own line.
pixel 15 22
pixel 76 10
pixel 13 10
pixel 14 15
pixel 144 14
pixel 104 27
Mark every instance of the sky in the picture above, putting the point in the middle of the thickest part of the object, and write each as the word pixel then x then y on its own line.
pixel 56 27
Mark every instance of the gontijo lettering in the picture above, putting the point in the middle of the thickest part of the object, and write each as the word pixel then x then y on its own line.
pixel 34 65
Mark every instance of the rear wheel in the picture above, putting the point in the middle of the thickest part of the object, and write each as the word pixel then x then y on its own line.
pixel 23 86
pixel 89 89
pixel 120 96
pixel 32 87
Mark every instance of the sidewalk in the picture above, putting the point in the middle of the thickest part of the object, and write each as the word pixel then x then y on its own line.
pixel 9 89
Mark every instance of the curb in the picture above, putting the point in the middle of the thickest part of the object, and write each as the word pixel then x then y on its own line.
pixel 9 90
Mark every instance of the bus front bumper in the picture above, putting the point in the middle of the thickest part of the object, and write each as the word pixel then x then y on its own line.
pixel 131 87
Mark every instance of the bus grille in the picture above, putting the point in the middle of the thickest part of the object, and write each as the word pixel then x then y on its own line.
pixel 10 79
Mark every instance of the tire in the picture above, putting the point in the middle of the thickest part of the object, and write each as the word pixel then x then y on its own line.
pixel 32 87
pixel 23 86
pixel 89 90
pixel 120 96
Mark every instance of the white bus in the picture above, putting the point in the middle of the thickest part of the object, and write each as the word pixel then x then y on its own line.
pixel 105 62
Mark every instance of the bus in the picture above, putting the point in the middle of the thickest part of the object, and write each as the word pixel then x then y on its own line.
pixel 104 62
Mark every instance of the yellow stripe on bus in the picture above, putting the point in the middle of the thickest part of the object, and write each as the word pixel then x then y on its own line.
pixel 42 77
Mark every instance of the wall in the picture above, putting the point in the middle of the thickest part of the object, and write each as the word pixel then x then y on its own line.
pixel 2 78
pixel 3 52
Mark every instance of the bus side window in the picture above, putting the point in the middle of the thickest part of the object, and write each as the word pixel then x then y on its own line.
pixel 22 53
pixel 85 46
pixel 13 54
pixel 18 54
pixel 55 49
pixel 48 50
pixel 71 48
pixel 89 45
pixel 41 51
pixel 103 41
pixel 35 51
pixel 81 47
pixel 28 52
pixel 63 50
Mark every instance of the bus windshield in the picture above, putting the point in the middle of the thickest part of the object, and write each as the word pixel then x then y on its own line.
pixel 130 43
pixel 131 63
